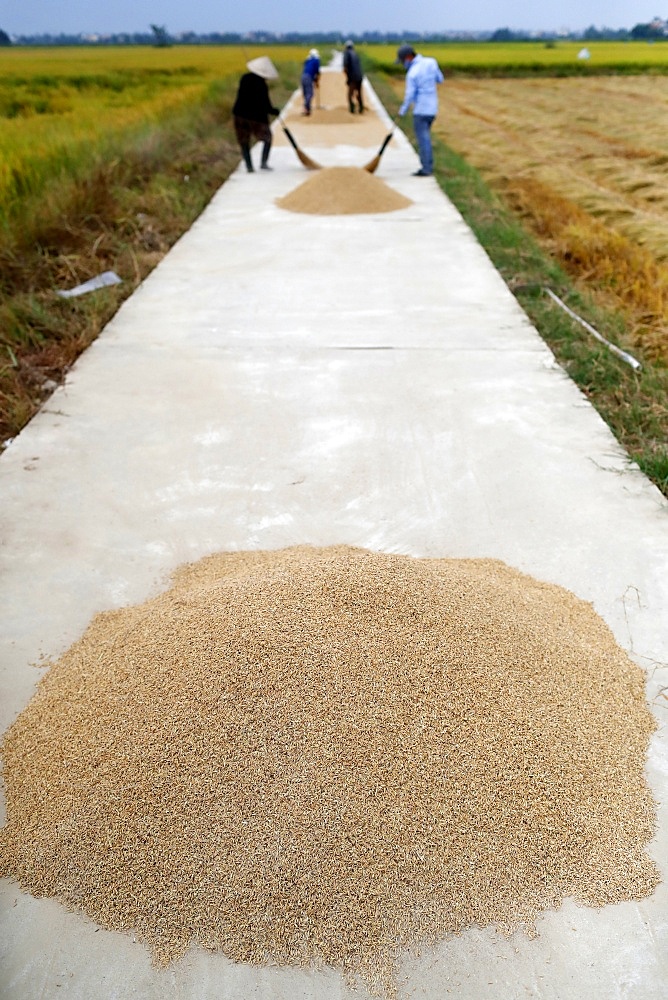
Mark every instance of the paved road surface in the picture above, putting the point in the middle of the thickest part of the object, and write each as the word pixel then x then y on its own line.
pixel 368 379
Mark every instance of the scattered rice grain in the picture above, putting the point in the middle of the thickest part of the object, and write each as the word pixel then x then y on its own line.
pixel 331 755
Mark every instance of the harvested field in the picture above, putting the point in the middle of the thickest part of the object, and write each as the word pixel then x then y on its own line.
pixel 584 163
pixel 603 144
pixel 330 755
pixel 343 191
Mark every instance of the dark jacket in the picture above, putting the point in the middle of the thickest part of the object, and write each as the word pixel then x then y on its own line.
pixel 352 66
pixel 253 102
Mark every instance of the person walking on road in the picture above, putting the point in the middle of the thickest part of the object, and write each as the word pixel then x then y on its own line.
pixel 252 108
pixel 352 67
pixel 422 78
pixel 310 78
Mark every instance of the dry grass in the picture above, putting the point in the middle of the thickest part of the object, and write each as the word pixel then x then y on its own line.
pixel 330 755
pixel 600 257
pixel 584 161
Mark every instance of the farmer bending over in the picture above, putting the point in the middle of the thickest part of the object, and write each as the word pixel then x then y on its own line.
pixel 252 109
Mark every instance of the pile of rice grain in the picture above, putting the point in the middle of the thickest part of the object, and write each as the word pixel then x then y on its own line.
pixel 343 191
pixel 332 755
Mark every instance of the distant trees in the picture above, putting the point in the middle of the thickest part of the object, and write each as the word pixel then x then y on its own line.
pixel 504 35
pixel 158 36
pixel 161 38
pixel 655 29
pixel 593 34
pixel 589 34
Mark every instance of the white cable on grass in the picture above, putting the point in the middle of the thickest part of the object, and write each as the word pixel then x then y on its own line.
pixel 630 360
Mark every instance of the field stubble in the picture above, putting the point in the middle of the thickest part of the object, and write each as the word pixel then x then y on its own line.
pixel 584 165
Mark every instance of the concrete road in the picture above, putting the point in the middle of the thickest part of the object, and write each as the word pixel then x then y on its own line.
pixel 366 379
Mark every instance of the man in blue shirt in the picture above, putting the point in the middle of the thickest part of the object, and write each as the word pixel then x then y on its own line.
pixel 422 77
pixel 310 77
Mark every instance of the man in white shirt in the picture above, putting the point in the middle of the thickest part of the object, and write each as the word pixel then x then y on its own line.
pixel 422 77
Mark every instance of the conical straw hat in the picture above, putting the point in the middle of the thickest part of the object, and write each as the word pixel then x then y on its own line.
pixel 264 67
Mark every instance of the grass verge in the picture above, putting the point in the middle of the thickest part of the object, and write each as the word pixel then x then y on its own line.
pixel 633 404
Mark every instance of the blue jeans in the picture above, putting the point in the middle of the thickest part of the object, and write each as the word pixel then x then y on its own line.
pixel 422 125
pixel 307 90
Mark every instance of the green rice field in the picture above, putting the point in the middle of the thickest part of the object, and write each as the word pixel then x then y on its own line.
pixel 63 108
pixel 550 57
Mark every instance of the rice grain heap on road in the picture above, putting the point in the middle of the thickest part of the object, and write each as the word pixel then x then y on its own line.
pixel 331 755
pixel 343 191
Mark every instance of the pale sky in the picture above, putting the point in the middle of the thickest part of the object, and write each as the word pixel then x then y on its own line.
pixel 25 17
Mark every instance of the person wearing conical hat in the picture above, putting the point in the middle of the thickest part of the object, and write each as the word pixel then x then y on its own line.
pixel 252 108
pixel 310 77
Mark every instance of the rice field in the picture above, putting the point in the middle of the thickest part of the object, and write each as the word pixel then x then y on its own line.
pixel 61 107
pixel 485 56
pixel 584 163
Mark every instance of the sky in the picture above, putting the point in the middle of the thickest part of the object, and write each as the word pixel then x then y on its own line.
pixel 27 17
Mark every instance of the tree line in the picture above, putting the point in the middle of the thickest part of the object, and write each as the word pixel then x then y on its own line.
pixel 160 36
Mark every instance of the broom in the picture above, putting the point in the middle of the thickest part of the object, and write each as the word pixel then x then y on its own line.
pixel 372 165
pixel 306 160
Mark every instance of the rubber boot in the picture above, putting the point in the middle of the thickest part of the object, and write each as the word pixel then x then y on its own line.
pixel 245 152
pixel 266 149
